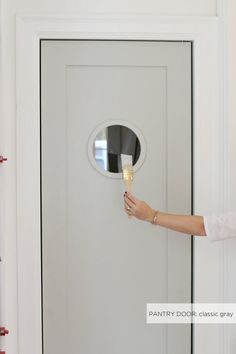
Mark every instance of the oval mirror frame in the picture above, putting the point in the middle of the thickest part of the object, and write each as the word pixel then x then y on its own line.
pixel 99 128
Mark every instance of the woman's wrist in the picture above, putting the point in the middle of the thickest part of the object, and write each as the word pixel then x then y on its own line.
pixel 155 218
pixel 151 215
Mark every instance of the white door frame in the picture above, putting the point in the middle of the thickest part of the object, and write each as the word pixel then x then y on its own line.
pixel 208 144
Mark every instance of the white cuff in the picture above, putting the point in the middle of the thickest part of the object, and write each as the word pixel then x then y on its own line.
pixel 220 227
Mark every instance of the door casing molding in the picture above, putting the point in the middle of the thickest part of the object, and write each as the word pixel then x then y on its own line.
pixel 208 144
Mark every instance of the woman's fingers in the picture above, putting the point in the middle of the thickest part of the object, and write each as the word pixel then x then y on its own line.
pixel 128 212
pixel 137 208
pixel 128 209
pixel 129 205
pixel 131 197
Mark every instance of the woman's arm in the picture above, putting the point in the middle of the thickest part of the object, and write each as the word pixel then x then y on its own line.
pixel 188 224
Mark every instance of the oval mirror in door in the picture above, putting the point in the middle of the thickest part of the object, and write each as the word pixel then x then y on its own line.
pixel 113 141
pixel 108 143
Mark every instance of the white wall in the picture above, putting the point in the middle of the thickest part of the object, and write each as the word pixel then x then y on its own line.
pixel 7 119
pixel 230 134
pixel 158 7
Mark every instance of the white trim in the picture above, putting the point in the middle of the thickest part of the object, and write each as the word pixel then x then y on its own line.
pixel 203 32
pixel 227 272
pixel 222 40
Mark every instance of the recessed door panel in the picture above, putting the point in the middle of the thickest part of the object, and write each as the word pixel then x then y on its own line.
pixel 99 268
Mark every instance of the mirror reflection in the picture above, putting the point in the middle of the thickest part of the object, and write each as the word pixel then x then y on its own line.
pixel 111 142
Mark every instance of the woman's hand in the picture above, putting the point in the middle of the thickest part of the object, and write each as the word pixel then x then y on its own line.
pixel 187 224
pixel 137 208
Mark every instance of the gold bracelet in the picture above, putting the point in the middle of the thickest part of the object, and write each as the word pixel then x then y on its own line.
pixel 155 217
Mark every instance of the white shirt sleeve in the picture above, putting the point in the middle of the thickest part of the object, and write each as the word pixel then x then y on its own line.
pixel 220 227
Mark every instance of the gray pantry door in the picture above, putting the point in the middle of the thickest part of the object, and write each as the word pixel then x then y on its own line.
pixel 100 268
